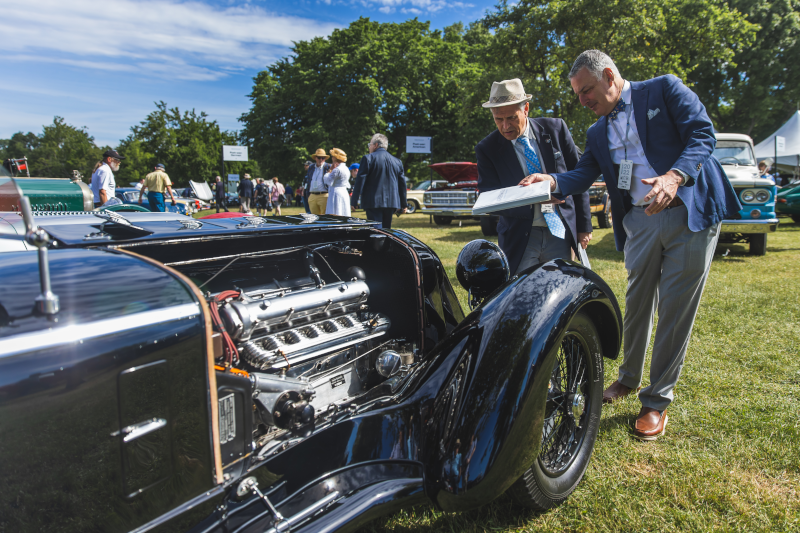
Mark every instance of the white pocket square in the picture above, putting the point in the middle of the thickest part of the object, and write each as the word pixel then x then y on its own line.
pixel 652 112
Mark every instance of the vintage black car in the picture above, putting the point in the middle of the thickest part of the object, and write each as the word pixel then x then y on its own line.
pixel 294 373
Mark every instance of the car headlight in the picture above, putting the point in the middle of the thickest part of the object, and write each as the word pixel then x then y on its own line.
pixel 426 198
pixel 762 196
pixel 748 196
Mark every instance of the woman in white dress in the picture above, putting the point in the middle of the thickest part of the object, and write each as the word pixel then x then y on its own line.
pixel 337 181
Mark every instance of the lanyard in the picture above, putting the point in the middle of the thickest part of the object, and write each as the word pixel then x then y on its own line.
pixel 627 129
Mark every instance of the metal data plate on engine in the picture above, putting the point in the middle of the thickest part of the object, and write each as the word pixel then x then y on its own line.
pixel 227 419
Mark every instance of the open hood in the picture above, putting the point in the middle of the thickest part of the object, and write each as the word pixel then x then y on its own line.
pixel 456 172
pixel 202 190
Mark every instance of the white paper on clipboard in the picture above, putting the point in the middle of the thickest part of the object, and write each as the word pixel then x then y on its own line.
pixel 584 257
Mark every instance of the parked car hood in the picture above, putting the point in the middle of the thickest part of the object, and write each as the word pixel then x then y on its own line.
pixel 745 176
pixel 202 190
pixel 458 175
pixel 91 230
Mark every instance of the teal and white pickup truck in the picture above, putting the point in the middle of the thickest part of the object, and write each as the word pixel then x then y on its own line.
pixel 757 194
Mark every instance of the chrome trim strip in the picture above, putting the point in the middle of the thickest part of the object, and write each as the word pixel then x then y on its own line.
pixel 41 340
pixel 768 225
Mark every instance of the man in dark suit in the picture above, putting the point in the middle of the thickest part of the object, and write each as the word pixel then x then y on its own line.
pixel 380 185
pixel 306 183
pixel 521 146
pixel 653 143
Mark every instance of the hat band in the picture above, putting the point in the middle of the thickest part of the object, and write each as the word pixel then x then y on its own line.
pixel 501 99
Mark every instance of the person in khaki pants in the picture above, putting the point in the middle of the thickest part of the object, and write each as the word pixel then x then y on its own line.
pixel 317 190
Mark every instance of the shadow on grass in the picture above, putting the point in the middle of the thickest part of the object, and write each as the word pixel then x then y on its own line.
pixel 500 514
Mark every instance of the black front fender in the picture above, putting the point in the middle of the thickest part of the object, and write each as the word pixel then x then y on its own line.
pixel 488 413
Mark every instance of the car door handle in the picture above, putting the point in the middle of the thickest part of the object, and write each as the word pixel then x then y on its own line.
pixel 134 431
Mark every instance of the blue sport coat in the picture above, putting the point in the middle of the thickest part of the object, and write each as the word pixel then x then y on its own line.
pixel 498 167
pixel 380 182
pixel 676 133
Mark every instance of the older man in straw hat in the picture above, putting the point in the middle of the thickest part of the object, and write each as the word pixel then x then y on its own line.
pixel 522 146
pixel 316 190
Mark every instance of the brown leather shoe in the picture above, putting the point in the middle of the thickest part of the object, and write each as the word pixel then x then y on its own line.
pixel 650 424
pixel 616 391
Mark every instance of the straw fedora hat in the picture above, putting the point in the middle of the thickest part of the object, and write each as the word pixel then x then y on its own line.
pixel 339 154
pixel 507 92
pixel 320 153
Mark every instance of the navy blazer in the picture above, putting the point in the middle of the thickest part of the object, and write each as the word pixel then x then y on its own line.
pixel 380 182
pixel 498 166
pixel 326 167
pixel 675 132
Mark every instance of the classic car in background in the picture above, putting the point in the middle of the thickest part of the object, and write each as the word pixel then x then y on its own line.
pixel 788 201
pixel 453 199
pixel 757 195
pixel 414 198
pixel 130 196
pixel 600 203
pixel 294 373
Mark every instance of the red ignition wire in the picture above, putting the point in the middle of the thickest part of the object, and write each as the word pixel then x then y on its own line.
pixel 229 351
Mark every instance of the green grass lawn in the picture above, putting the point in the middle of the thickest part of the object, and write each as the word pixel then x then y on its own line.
pixel 730 459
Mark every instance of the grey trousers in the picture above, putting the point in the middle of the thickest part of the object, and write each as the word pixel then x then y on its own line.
pixel 543 246
pixel 667 268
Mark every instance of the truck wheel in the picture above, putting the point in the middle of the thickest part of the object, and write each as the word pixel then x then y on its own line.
pixel 572 419
pixel 489 226
pixel 758 244
pixel 442 221
pixel 412 206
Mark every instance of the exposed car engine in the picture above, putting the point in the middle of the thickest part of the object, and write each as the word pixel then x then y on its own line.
pixel 309 347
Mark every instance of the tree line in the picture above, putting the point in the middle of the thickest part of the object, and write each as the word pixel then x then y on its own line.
pixel 742 57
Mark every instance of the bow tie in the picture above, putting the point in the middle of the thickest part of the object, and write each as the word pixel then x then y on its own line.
pixel 617 109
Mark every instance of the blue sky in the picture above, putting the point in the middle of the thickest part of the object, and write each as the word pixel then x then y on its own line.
pixel 102 64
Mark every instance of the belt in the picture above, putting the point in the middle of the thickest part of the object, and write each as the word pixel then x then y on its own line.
pixel 319 192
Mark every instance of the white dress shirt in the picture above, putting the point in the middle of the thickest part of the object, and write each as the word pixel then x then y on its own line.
pixel 103 178
pixel 538 218
pixel 317 183
pixel 642 169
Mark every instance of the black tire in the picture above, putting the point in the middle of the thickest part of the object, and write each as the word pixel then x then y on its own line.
pixel 489 226
pixel 796 219
pixel 442 221
pixel 566 446
pixel 412 206
pixel 604 217
pixel 758 244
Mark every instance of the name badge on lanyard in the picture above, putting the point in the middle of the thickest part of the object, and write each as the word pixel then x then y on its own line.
pixel 625 174
pixel 626 165
pixel 548 208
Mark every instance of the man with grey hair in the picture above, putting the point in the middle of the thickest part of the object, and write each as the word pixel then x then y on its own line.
pixel 653 143
pixel 380 184
pixel 521 146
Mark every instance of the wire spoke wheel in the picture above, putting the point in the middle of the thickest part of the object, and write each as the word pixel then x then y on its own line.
pixel 571 418
pixel 565 425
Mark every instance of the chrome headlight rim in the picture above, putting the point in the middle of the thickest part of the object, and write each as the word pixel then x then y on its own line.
pixel 763 196
pixel 748 196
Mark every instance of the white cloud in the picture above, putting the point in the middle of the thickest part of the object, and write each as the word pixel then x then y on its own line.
pixel 421 6
pixel 161 38
pixel 386 9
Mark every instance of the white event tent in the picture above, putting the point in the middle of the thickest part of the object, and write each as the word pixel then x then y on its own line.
pixel 790 155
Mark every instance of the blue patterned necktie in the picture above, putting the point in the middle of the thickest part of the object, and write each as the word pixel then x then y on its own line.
pixel 619 108
pixel 554 223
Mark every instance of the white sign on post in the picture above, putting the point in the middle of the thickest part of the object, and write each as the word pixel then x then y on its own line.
pixel 780 143
pixel 234 153
pixel 233 177
pixel 418 145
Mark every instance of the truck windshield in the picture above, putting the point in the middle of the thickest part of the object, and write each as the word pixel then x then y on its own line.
pixel 734 153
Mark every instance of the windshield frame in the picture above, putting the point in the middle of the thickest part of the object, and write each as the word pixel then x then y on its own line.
pixel 731 145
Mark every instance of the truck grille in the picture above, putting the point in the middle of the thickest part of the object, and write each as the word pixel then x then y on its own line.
pixel 450 198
